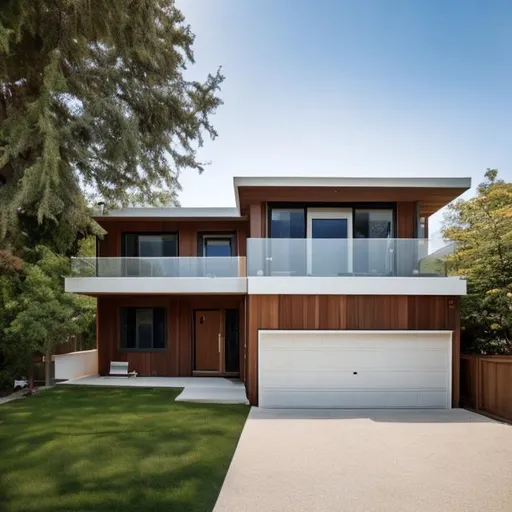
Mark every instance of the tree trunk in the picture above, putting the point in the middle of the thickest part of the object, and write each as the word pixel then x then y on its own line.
pixel 47 368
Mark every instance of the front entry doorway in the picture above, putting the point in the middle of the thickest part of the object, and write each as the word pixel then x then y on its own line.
pixel 216 346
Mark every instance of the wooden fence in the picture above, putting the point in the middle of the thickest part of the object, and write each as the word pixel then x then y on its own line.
pixel 486 384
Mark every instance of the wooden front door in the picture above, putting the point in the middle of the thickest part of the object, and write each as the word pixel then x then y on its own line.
pixel 208 340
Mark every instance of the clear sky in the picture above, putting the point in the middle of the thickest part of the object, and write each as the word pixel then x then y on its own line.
pixel 353 88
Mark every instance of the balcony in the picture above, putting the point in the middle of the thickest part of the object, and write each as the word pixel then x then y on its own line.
pixel 179 275
pixel 351 266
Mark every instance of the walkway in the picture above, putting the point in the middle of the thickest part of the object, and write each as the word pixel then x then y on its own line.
pixel 196 389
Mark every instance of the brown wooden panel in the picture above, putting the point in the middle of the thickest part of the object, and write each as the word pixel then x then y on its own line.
pixel 492 383
pixel 394 312
pixel 263 313
pixel 377 312
pixel 405 219
pixel 425 311
pixel 207 332
pixel 256 220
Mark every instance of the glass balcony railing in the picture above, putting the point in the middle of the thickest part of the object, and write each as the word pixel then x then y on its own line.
pixel 158 267
pixel 347 257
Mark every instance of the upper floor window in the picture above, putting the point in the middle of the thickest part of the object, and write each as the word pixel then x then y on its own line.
pixel 287 223
pixel 217 244
pixel 150 245
pixel 369 223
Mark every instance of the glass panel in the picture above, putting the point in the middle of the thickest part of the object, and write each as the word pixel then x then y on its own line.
pixel 159 328
pixel 144 328
pixel 287 223
pixel 373 223
pixel 373 257
pixel 396 257
pixel 329 253
pixel 329 228
pixel 128 338
pixel 231 341
pixel 217 247
pixel 130 245
pixel 157 245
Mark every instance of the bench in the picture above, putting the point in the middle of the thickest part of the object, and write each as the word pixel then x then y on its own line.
pixel 120 369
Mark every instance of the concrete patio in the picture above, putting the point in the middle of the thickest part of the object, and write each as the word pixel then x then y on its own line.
pixel 216 390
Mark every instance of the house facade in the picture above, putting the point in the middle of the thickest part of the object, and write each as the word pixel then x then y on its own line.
pixel 315 292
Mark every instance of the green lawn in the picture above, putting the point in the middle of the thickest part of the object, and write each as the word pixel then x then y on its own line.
pixel 78 448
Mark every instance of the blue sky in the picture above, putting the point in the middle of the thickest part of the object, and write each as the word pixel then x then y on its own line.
pixel 353 88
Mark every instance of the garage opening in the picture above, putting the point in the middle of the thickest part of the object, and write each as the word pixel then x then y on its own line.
pixel 355 369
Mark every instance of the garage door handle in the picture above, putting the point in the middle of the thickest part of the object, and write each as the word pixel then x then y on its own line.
pixel 355 373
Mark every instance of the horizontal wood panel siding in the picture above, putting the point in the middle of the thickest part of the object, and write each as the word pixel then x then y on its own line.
pixel 486 384
pixel 188 232
pixel 348 312
pixel 176 359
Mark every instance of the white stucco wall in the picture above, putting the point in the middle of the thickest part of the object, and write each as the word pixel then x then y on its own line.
pixel 76 364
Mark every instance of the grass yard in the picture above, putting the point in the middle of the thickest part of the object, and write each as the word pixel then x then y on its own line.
pixel 80 448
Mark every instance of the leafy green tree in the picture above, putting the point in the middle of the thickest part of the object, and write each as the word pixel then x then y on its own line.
pixel 94 97
pixel 41 314
pixel 482 228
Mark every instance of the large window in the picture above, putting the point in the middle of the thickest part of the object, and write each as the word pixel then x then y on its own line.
pixel 150 245
pixel 287 223
pixel 374 256
pixel 143 328
pixel 287 257
pixel 373 223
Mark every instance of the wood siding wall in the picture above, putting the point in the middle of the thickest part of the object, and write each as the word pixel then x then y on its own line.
pixel 348 312
pixel 188 232
pixel 486 384
pixel 176 359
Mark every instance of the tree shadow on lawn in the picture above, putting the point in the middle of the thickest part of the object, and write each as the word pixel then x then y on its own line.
pixel 107 451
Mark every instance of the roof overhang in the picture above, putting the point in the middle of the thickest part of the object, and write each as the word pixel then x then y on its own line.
pixel 431 193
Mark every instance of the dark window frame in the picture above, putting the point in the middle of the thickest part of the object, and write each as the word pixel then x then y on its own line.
pixel 221 235
pixel 122 330
pixel 353 206
pixel 148 233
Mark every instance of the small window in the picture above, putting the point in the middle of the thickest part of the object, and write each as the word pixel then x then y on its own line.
pixel 143 328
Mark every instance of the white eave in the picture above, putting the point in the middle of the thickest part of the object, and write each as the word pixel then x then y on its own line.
pixel 173 213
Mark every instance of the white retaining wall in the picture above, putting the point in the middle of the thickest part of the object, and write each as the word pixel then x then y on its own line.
pixel 76 364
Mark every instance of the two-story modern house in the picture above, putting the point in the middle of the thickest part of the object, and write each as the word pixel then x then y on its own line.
pixel 315 292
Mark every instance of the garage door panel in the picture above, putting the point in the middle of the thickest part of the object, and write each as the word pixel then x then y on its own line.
pixel 395 356
pixel 375 379
pixel 355 369
pixel 351 399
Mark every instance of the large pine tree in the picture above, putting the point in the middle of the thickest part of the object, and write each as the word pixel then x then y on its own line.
pixel 94 99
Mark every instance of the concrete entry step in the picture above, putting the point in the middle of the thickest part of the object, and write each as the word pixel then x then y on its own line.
pixel 214 395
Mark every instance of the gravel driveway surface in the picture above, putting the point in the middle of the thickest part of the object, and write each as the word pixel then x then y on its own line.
pixel 371 461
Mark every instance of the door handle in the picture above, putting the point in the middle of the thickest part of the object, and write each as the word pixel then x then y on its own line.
pixel 219 337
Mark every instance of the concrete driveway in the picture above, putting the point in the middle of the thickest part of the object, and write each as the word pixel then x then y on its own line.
pixel 371 461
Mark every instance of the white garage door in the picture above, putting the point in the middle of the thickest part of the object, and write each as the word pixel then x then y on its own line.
pixel 355 369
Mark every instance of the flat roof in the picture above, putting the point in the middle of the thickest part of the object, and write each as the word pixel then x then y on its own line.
pixel 448 189
pixel 433 193
pixel 171 212
pixel 284 181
